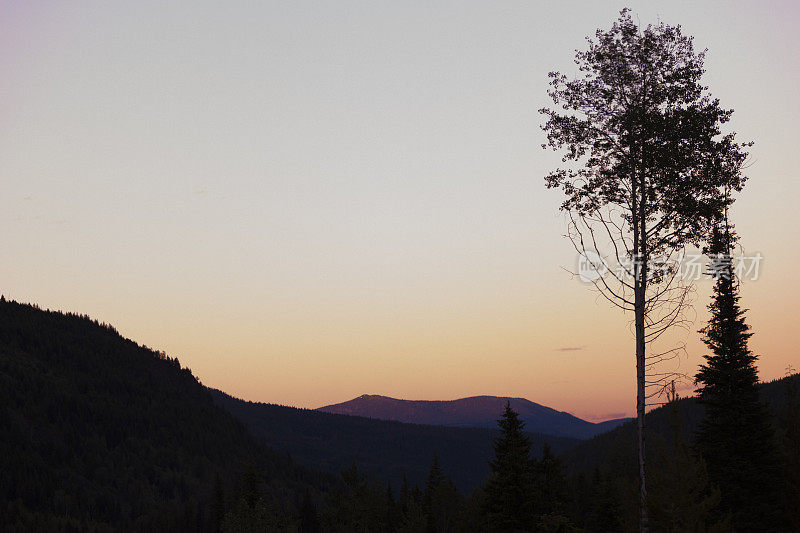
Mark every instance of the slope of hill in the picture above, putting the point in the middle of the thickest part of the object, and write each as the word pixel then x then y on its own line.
pixel 385 449
pixel 476 411
pixel 97 432
pixel 615 450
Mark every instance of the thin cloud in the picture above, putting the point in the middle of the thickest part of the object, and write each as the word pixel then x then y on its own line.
pixel 602 417
pixel 571 348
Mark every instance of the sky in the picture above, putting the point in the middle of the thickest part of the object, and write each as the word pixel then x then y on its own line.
pixel 310 201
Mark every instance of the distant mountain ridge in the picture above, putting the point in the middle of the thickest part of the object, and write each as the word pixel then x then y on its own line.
pixel 384 449
pixel 475 411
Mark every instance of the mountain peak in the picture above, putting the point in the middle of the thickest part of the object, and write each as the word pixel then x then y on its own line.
pixel 473 411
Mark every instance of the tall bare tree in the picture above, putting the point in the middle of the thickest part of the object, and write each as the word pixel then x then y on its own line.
pixel 646 166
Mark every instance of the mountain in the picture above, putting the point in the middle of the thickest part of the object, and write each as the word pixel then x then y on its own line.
pixel 476 411
pixel 385 449
pixel 100 433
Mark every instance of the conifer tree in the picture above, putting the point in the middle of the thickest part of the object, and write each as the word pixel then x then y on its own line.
pixel 435 479
pixel 392 511
pixel 550 494
pixel 681 499
pixel 510 487
pixel 440 500
pixel 736 439
pixel 405 494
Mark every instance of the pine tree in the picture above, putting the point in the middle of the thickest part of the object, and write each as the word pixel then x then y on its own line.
pixel 681 499
pixel 413 517
pixel 435 479
pixel 550 494
pixel 405 494
pixel 736 438
pixel 392 512
pixel 440 500
pixel 510 488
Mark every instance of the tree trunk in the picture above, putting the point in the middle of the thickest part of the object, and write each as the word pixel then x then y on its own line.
pixel 640 256
pixel 640 401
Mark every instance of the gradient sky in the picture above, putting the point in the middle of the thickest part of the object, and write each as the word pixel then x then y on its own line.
pixel 306 202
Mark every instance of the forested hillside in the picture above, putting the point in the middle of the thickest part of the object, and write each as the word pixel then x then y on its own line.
pixel 384 449
pixel 97 431
pixel 615 449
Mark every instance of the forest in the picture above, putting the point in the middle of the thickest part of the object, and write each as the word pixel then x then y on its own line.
pixel 99 433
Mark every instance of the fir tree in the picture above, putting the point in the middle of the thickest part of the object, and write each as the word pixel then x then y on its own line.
pixel 405 494
pixel 680 499
pixel 440 500
pixel 435 479
pixel 736 438
pixel 510 486
pixel 550 494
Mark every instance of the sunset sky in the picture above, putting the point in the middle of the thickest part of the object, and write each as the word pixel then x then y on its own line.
pixel 309 201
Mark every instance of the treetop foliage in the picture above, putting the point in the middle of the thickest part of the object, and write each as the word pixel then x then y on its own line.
pixel 637 121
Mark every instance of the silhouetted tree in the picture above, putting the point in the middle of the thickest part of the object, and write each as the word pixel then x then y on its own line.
pixel 510 487
pixel 405 494
pixel 649 164
pixel 392 511
pixel 736 438
pixel 440 500
pixel 550 492
pixel 681 499
pixel 357 506
pixel 435 479
pixel 414 518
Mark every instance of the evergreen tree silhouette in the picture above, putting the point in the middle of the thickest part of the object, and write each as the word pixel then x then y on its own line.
pixel 510 486
pixel 551 494
pixel 736 439
pixel 435 479
pixel 681 499
pixel 392 511
pixel 440 500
